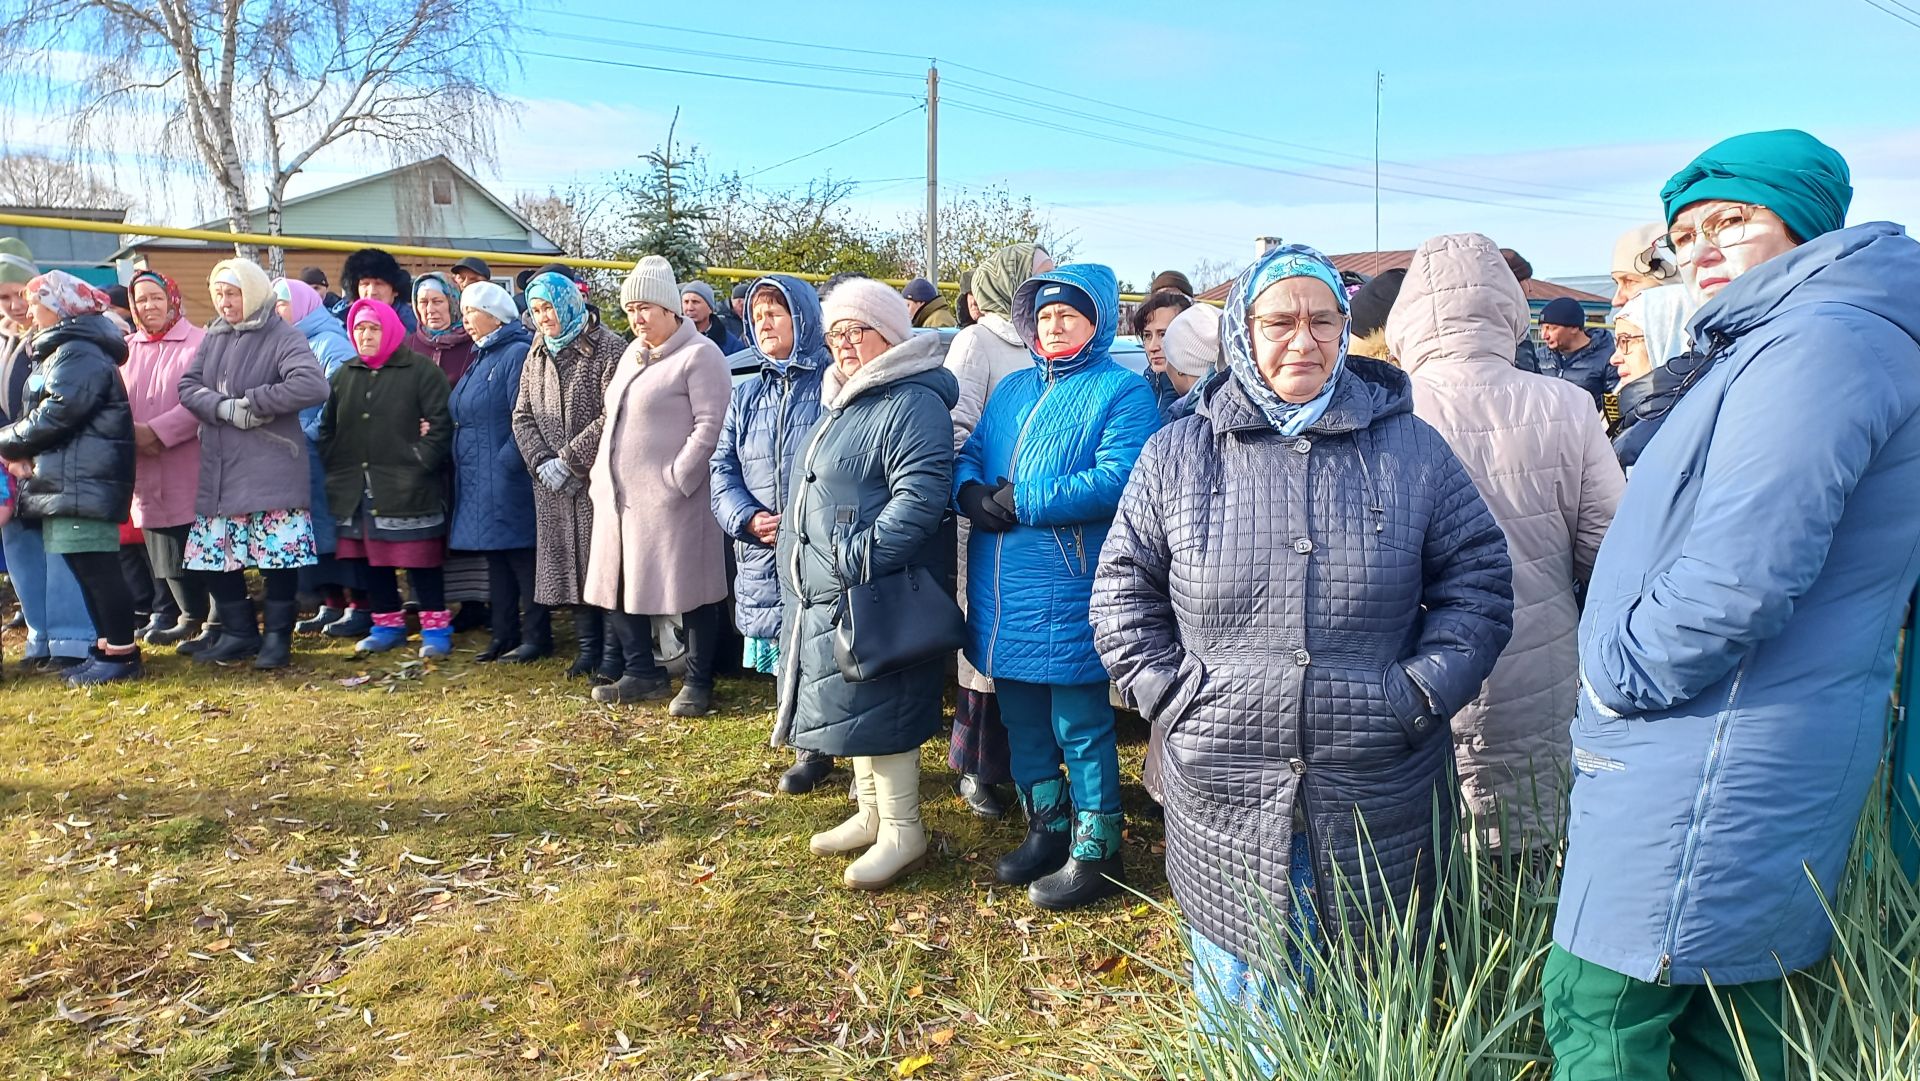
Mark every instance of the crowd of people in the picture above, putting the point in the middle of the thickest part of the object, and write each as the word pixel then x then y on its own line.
pixel 1363 553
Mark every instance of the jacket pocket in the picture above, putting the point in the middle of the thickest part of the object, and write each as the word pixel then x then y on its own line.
pixel 1409 704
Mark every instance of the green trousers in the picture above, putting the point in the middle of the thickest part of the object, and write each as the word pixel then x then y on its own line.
pixel 1607 1027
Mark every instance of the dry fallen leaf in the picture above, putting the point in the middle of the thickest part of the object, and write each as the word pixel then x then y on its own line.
pixel 530 1054
pixel 941 1038
pixel 916 991
pixel 1111 971
pixel 911 1065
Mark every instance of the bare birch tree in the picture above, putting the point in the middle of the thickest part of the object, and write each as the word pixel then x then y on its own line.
pixel 243 94
pixel 42 181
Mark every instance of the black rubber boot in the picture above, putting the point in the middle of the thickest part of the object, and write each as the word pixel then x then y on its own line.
pixel 613 659
pixel 209 634
pixel 809 769
pixel 591 630
pixel 356 623
pixel 983 799
pixel 1045 849
pixel 1093 871
pixel 239 637
pixel 181 631
pixel 317 622
pixel 276 640
pixel 536 636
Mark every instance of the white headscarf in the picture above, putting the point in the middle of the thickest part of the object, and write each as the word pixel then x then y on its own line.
pixel 1662 313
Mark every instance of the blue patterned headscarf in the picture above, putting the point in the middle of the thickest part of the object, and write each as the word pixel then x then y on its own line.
pixel 564 294
pixel 1287 261
pixel 446 288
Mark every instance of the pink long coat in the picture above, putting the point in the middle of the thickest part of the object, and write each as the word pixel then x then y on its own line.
pixel 656 549
pixel 164 484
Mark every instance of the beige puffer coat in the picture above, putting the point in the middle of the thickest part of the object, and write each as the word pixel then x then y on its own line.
pixel 1539 455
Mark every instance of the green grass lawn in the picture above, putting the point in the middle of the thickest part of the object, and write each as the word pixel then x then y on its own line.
pixel 449 870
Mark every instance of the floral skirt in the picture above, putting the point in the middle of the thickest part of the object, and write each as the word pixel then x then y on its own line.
pixel 271 540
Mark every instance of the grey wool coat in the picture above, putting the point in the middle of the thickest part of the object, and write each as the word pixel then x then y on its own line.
pixel 267 364
pixel 1301 615
pixel 870 492
pixel 559 415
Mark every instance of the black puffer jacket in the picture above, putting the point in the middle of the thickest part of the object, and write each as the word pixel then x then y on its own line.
pixel 75 425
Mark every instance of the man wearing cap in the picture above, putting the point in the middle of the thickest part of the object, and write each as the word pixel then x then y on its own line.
pixel 697 304
pixel 928 307
pixel 1738 639
pixel 471 269
pixel 1581 356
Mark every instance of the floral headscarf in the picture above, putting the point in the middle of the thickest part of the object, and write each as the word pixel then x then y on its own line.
pixel 175 309
pixel 65 295
pixel 392 331
pixel 444 286
pixel 1286 261
pixel 564 294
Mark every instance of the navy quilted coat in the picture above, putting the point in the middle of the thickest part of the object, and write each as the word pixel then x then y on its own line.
pixel 492 490
pixel 1739 638
pixel 870 491
pixel 1290 612
pixel 766 420
pixel 1067 433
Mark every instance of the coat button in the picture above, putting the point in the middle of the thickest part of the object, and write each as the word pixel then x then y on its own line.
pixel 837 412
pixel 1302 445
pixel 803 539
pixel 1302 658
pixel 363 465
pixel 1303 546
pixel 366 416
pixel 810 476
pixel 1420 723
pixel 805 603
pixel 1298 766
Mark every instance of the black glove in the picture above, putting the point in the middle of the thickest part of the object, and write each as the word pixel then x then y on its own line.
pixel 978 503
pixel 1003 499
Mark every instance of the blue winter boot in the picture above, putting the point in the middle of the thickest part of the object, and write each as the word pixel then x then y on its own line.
pixel 389 632
pixel 436 634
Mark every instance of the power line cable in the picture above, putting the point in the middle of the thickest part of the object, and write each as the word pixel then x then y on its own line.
pixel 597 18
pixel 1893 13
pixel 836 142
pixel 720 75
pixel 737 58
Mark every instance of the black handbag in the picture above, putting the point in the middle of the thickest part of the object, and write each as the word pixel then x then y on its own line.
pixel 893 622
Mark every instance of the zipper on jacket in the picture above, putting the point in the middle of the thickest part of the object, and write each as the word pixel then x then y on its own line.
pixel 1000 539
pixel 1690 849
pixel 780 442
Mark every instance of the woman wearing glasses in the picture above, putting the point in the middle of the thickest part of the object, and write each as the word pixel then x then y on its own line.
pixel 1738 639
pixel 1301 587
pixel 1538 455
pixel 870 488
pixel 1651 355
pixel 1039 478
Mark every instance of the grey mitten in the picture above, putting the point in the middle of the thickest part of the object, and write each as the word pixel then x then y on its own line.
pixel 236 412
pixel 554 474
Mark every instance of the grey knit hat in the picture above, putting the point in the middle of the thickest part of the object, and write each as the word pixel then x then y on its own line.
pixel 652 282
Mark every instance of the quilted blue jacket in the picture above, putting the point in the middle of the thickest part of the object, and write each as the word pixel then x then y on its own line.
pixel 1067 433
pixel 1289 612
pixel 766 421
pixel 492 490
pixel 1737 649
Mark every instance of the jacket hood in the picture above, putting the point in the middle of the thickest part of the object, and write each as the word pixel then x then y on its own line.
pixel 1874 266
pixel 96 328
pixel 1092 279
pixel 1368 391
pixel 921 358
pixel 1458 303
pixel 809 336
pixel 321 323
pixel 1000 274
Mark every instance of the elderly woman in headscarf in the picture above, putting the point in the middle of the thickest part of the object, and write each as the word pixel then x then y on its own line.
pixel 1652 355
pixel 767 417
pixel 305 310
pixel 985 351
pixel 72 454
pixel 556 423
pixel 58 633
pixel 492 493
pixel 1039 479
pixel 248 384
pixel 385 436
pixel 1301 587
pixel 442 338
pixel 166 439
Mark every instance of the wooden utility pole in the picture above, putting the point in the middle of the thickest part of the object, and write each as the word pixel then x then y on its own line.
pixel 933 173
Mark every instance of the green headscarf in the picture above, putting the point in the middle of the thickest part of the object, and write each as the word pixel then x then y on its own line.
pixel 1000 274
pixel 16 262
pixel 1789 172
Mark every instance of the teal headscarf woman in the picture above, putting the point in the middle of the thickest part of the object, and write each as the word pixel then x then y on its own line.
pixel 442 285
pixel 1280 264
pixel 563 295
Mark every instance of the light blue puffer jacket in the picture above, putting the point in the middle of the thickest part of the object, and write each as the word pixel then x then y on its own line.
pixel 1738 644
pixel 1067 433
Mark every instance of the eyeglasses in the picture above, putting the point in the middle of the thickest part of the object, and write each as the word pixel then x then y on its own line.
pixel 1630 341
pixel 853 335
pixel 1324 327
pixel 1721 229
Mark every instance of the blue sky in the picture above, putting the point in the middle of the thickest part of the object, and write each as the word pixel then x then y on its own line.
pixel 1551 126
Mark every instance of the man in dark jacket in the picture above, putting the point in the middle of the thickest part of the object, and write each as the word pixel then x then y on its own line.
pixel 1574 353
pixel 697 303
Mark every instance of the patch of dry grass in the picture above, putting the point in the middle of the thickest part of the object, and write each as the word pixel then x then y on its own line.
pixel 450 870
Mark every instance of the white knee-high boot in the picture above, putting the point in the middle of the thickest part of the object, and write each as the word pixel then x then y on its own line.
pixel 863 828
pixel 902 844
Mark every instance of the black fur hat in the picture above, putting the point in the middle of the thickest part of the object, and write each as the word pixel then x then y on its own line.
pixel 379 266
